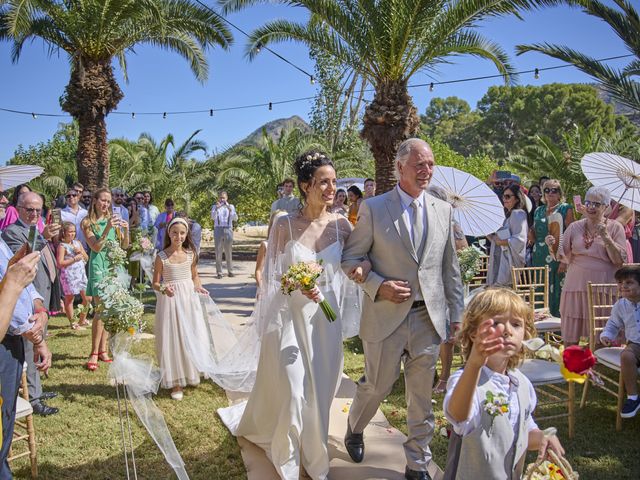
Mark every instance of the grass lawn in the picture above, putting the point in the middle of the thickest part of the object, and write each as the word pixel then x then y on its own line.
pixel 83 440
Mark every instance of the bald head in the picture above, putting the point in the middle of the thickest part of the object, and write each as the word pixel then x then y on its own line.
pixel 29 208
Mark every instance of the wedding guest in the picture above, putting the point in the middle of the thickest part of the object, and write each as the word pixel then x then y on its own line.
pixel 46 283
pixel 162 221
pixel 508 245
pixel 100 227
pixel 495 324
pixel 592 249
pixel 74 213
pixel 446 347
pixel 536 197
pixel 369 188
pixel 11 213
pixel 71 259
pixel 153 210
pixel 624 318
pixel 553 203
pixel 288 201
pixel 4 203
pixel 355 199
pixel 412 298
pixel 175 277
pixel 28 318
pixel 143 212
pixel 627 219
pixel 340 203
pixel 85 199
pixel 223 215
pixel 119 200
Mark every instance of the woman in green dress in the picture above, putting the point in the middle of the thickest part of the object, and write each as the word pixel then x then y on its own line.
pixel 99 227
pixel 553 202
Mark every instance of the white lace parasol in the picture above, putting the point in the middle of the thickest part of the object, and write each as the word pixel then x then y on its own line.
pixel 476 208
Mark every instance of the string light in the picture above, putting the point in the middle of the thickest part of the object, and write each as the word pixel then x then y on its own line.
pixel 133 115
pixel 164 115
pixel 258 47
pixel 536 73
pixel 431 86
pixel 312 80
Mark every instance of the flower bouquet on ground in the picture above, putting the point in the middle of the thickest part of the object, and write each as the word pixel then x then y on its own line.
pixel 555 468
pixel 303 276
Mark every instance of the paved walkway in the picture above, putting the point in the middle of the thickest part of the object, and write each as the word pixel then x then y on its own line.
pixel 384 459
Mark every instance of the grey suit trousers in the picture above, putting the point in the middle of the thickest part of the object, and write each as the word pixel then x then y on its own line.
pixel 223 238
pixel 416 343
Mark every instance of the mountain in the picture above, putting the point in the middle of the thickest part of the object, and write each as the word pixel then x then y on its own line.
pixel 274 129
pixel 618 108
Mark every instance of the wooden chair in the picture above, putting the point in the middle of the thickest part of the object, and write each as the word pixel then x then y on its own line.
pixel 601 297
pixel 480 279
pixel 551 389
pixel 24 429
pixel 537 277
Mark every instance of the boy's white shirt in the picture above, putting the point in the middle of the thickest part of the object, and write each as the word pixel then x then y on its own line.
pixel 501 384
pixel 623 317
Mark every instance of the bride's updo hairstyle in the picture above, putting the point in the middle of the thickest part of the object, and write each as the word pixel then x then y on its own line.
pixel 306 165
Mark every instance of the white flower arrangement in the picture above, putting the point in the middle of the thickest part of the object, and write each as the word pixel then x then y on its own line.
pixel 469 259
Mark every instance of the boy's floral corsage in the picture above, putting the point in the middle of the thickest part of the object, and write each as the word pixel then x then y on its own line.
pixel 303 276
pixel 496 404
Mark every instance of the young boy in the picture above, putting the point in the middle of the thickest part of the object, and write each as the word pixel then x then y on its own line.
pixel 625 315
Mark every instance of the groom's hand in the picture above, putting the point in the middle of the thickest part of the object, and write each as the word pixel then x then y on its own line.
pixel 396 291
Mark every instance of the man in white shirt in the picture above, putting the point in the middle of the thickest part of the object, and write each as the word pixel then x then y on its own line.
pixel 74 213
pixel 118 198
pixel 223 215
pixel 288 201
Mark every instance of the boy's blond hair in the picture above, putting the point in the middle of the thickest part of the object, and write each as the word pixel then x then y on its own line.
pixel 489 303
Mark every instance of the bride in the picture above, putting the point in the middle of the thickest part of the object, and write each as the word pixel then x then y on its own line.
pixel 300 363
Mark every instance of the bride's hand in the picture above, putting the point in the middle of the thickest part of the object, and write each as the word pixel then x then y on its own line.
pixel 360 272
pixel 313 294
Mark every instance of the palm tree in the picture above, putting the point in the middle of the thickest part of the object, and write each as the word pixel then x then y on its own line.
pixel 95 32
pixel 626 24
pixel 387 42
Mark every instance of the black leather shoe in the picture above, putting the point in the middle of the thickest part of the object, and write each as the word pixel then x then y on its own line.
pixel 48 395
pixel 354 443
pixel 40 408
pixel 416 475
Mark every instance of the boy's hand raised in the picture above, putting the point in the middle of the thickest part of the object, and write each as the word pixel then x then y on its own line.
pixel 487 341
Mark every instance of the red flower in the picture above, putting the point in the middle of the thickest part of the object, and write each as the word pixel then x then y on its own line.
pixel 578 359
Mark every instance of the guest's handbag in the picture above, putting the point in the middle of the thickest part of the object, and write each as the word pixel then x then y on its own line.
pixel 552 468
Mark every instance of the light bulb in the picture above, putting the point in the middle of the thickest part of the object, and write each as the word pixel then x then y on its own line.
pixel 536 74
pixel 270 106
pixel 164 115
pixel 431 86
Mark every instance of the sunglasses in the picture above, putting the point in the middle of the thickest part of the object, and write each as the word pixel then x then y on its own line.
pixel 551 190
pixel 31 211
pixel 589 204
pixel 507 196
pixel 69 195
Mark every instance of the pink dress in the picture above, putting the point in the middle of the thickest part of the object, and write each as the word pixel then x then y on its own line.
pixel 585 265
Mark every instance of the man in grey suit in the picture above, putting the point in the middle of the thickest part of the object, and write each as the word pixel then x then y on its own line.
pixel 413 300
pixel 46 284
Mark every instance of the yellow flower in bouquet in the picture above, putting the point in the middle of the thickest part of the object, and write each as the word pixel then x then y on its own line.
pixel 303 276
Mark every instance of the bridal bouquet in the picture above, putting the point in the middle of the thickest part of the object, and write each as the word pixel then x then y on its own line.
pixel 303 276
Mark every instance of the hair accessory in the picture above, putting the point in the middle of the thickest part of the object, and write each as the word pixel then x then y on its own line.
pixel 177 220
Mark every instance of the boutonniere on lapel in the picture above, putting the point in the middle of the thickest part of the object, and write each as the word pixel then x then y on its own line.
pixel 496 404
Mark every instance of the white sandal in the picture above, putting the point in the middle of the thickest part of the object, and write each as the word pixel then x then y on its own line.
pixel 177 395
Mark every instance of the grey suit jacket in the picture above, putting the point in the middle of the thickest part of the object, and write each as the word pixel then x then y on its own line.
pixel 381 235
pixel 15 236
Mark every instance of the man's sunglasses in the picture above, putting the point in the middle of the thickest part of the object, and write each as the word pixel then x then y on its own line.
pixel 69 195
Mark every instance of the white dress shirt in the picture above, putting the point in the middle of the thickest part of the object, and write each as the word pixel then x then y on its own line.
pixel 625 315
pixel 76 218
pixel 223 216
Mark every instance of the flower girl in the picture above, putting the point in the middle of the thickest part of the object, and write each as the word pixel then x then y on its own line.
pixel 179 314
pixel 489 402
pixel 71 259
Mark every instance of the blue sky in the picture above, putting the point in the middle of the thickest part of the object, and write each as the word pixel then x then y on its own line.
pixel 162 81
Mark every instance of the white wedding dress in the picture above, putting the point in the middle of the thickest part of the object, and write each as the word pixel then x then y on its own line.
pixel 300 363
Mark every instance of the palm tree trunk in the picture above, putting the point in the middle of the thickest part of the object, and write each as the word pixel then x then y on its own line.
pixel 388 120
pixel 92 92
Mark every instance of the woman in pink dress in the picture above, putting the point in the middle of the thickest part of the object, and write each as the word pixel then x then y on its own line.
pixel 592 249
